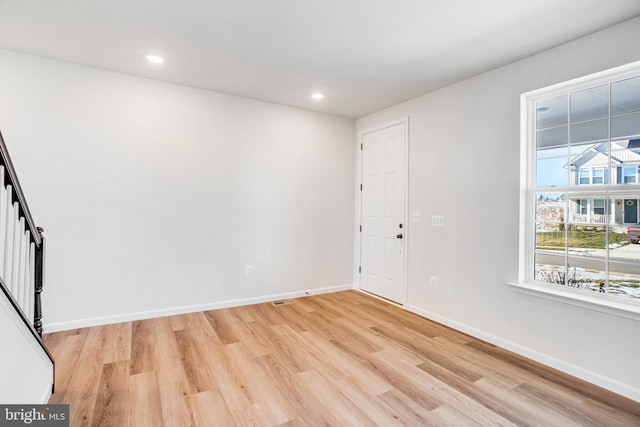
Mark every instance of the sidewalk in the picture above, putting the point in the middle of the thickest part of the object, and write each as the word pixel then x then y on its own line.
pixel 625 252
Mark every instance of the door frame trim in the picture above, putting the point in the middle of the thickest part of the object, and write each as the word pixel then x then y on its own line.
pixel 358 210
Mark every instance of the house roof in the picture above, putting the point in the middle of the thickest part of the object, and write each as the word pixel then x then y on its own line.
pixel 597 155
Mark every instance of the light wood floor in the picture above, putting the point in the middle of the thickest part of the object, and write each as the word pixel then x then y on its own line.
pixel 342 359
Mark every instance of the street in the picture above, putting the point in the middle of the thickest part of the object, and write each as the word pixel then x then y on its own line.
pixel 622 260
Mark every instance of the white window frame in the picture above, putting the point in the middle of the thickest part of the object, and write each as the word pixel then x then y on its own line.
pixel 583 206
pixel 526 284
pixel 634 175
pixel 593 175
pixel 593 206
pixel 582 172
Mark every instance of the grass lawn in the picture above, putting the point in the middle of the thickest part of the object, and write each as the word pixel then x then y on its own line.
pixel 578 239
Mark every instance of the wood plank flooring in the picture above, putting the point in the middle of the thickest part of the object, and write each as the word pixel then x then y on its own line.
pixel 342 359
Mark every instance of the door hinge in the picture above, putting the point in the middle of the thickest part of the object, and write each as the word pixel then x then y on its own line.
pixel 359 270
pixel 360 147
pixel 361 229
pixel 360 187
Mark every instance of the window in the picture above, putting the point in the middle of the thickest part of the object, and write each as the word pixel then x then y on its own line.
pixel 598 176
pixel 629 175
pixel 584 175
pixel 574 219
pixel 592 176
pixel 583 206
pixel 599 206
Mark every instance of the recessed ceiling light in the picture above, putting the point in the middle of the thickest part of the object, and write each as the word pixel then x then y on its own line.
pixel 155 59
pixel 317 96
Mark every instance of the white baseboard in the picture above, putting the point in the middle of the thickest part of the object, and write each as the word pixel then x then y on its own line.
pixel 561 365
pixel 128 317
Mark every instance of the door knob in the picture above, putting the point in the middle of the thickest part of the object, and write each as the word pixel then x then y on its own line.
pixel 399 236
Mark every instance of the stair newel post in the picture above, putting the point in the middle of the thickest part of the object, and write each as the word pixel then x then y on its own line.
pixel 39 283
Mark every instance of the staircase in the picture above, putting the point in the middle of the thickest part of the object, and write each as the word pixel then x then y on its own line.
pixel 26 367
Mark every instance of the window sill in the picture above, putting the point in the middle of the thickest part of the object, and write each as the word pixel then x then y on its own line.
pixel 578 298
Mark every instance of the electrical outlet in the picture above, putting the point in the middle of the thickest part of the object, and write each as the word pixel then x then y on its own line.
pixel 248 270
pixel 434 281
pixel 416 218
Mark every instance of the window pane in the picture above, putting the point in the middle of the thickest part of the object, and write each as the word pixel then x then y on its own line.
pixel 625 96
pixel 554 137
pixel 550 236
pixel 598 176
pixel 624 213
pixel 578 209
pixel 593 131
pixel 588 214
pixel 585 238
pixel 619 244
pixel 590 104
pixel 549 212
pixel 629 174
pixel 624 278
pixel 583 176
pixel 584 209
pixel 550 254
pixel 624 254
pixel 551 112
pixel 625 156
pixel 587 272
pixel 583 272
pixel 552 172
pixel 626 126
pixel 599 209
pixel 549 273
pixel 585 159
pixel 587 245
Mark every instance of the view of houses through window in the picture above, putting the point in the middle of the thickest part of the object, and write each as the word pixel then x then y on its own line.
pixel 585 192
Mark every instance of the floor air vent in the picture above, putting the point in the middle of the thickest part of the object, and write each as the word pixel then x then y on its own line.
pixel 281 302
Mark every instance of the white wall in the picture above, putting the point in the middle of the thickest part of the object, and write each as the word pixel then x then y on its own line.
pixel 464 165
pixel 26 373
pixel 155 196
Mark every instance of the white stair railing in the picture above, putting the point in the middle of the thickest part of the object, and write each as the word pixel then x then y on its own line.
pixel 21 247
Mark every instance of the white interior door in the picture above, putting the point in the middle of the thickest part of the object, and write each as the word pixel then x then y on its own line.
pixel 383 236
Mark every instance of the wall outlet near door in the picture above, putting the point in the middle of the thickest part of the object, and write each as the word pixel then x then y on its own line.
pixel 248 270
pixel 433 281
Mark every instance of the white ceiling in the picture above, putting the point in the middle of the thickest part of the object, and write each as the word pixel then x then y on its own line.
pixel 364 55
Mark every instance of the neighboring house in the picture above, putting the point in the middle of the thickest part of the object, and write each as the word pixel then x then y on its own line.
pixel 598 165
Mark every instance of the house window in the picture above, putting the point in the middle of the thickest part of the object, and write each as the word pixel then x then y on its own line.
pixel 599 206
pixel 629 174
pixel 592 176
pixel 584 176
pixel 598 176
pixel 573 236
